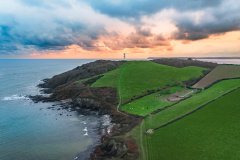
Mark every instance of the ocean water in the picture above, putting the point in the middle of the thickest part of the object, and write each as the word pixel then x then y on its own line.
pixel 30 131
pixel 222 61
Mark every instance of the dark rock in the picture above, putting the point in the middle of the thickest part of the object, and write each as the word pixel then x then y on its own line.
pixel 116 148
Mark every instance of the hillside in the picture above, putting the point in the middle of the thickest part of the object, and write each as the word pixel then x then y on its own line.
pixel 134 79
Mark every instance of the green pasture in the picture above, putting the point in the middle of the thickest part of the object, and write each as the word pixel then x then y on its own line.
pixel 150 103
pixel 209 133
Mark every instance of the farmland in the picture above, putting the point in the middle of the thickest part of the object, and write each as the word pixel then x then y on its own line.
pixel 210 133
pixel 178 129
pixel 219 73
pixel 190 104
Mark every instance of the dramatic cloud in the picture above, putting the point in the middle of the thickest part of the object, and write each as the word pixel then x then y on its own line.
pixel 33 26
pixel 139 39
pixel 137 8
pixel 52 25
pixel 201 24
pixel 197 24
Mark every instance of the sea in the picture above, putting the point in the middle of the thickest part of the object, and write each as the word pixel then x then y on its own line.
pixel 39 131
pixel 222 61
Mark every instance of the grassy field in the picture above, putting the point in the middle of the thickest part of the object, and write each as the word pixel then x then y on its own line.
pixel 201 127
pixel 219 73
pixel 210 133
pixel 188 105
pixel 138 77
pixel 150 103
pixel 110 79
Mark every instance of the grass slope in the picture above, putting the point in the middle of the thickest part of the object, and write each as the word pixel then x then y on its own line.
pixel 137 77
pixel 210 133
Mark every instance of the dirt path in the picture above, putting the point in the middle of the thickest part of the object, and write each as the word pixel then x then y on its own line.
pixel 142 130
pixel 119 92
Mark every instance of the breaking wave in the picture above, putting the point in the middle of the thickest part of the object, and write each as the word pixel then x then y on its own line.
pixel 15 97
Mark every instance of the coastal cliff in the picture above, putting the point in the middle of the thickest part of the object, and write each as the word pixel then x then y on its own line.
pixel 75 86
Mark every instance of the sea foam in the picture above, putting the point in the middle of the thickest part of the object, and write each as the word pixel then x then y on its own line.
pixel 15 97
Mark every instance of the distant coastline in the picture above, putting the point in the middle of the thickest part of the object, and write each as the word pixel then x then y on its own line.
pixel 195 57
pixel 218 60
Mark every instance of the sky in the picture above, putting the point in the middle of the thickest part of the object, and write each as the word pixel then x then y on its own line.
pixel 105 29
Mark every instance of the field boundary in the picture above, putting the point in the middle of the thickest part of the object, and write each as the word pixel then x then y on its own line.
pixel 195 110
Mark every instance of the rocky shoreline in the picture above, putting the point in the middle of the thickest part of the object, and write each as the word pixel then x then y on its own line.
pixel 83 98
